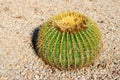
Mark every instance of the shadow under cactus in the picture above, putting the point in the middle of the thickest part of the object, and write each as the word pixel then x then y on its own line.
pixel 34 39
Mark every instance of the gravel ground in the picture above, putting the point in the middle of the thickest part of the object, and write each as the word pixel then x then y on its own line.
pixel 20 18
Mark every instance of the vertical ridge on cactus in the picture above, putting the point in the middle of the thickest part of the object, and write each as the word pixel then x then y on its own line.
pixel 68 41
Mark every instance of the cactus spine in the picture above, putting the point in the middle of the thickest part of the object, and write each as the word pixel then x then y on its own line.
pixel 68 41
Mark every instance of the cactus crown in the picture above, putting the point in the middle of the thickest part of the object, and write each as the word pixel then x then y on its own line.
pixel 69 22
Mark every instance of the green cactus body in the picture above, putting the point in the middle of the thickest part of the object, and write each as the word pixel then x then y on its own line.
pixel 68 41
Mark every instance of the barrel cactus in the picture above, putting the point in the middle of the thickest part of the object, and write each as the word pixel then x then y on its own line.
pixel 68 41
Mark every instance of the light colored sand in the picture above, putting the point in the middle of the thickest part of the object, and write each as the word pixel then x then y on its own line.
pixel 19 18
